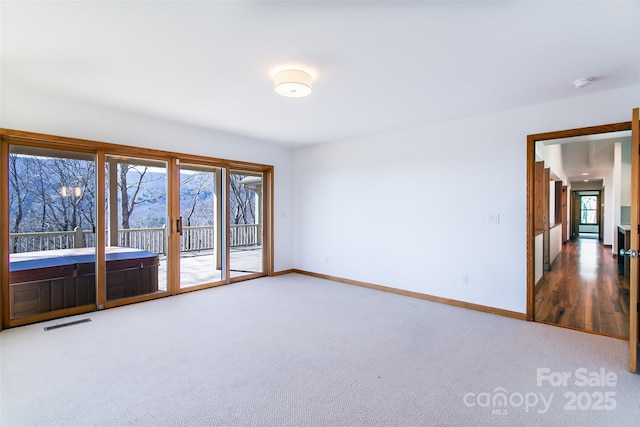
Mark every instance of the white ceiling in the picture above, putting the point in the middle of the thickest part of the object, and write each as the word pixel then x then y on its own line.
pixel 595 157
pixel 592 155
pixel 377 65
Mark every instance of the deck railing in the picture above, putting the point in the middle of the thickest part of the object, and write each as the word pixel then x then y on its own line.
pixel 244 235
pixel 148 239
pixel 47 241
pixel 194 238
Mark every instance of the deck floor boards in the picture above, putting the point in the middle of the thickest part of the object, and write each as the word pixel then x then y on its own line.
pixel 199 267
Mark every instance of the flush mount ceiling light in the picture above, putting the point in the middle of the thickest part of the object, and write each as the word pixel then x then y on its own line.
pixel 580 83
pixel 293 83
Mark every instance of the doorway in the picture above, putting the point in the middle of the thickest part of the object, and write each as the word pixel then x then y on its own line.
pixel 595 213
pixel 201 260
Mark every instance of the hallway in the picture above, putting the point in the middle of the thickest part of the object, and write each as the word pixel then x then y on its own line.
pixel 584 290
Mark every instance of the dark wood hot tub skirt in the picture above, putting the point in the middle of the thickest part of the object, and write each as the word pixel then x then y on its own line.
pixel 46 281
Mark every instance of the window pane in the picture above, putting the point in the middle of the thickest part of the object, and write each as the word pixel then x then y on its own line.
pixel 588 209
pixel 136 217
pixel 588 217
pixel 201 258
pixel 589 202
pixel 52 226
pixel 245 223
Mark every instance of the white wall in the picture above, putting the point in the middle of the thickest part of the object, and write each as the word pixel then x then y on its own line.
pixel 538 257
pixel 552 156
pixel 625 173
pixel 555 243
pixel 622 185
pixel 28 110
pixel 608 226
pixel 569 207
pixel 552 202
pixel 408 209
pixel 617 192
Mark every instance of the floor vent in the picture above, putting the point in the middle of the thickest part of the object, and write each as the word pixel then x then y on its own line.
pixel 62 325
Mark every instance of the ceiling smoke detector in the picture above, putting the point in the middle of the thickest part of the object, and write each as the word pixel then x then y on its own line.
pixel 580 83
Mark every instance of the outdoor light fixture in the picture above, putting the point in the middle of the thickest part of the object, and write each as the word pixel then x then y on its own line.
pixel 293 83
pixel 66 191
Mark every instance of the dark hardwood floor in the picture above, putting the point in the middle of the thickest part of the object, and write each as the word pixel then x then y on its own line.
pixel 584 290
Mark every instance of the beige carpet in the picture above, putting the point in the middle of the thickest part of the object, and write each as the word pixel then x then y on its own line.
pixel 300 351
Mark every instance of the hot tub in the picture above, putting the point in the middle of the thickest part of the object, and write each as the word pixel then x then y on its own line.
pixel 46 281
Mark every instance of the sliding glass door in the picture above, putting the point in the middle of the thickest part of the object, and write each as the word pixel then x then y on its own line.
pixel 89 225
pixel 200 226
pixel 52 249
pixel 246 220
pixel 136 227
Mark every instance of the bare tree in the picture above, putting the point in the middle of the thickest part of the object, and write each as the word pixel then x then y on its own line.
pixel 134 182
pixel 50 194
pixel 17 198
pixel 70 189
pixel 241 201
pixel 199 184
pixel 18 194
pixel 126 207
pixel 195 189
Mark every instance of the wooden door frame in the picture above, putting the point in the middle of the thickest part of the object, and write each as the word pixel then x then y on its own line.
pixel 634 266
pixel 601 199
pixel 565 216
pixel 531 159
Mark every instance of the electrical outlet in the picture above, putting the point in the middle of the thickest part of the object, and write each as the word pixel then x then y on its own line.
pixel 493 218
pixel 465 279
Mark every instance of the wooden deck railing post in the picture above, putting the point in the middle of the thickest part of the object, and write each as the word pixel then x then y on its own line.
pixel 78 238
pixel 164 239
